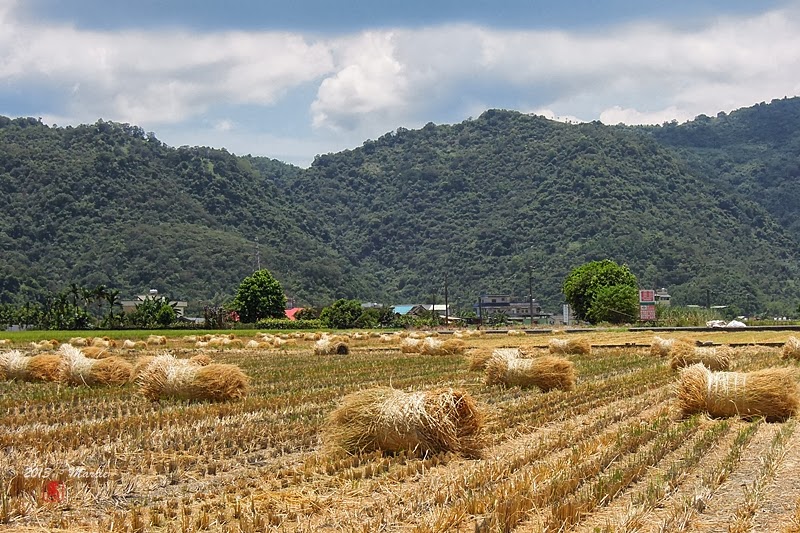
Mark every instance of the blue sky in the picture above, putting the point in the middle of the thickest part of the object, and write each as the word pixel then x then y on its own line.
pixel 290 80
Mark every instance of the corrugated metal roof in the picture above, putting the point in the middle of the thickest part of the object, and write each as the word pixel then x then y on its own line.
pixel 404 309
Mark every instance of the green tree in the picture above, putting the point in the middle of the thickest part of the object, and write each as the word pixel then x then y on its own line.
pixel 259 296
pixel 585 282
pixel 616 304
pixel 153 312
pixel 341 314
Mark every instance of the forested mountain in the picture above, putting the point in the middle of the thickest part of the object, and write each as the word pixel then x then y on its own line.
pixel 108 204
pixel 492 199
pixel 707 205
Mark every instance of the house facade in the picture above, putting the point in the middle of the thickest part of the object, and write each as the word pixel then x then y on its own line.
pixel 513 308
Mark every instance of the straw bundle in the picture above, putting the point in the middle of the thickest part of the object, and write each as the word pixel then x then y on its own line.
pixel 771 393
pixel 714 358
pixel 433 346
pixel 410 345
pixel 791 349
pixel 140 364
pixel 546 373
pixel 570 346
pixel 200 359
pixel 105 342
pixel 41 367
pixel 516 333
pixel 479 358
pixel 134 345
pixel 661 347
pixel 158 340
pixel 391 420
pixel 45 345
pixel 167 377
pixel 80 341
pixel 95 352
pixel 5 341
pixel 331 346
pixel 77 369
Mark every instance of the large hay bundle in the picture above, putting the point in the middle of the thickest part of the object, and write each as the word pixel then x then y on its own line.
pixel 570 346
pixel 479 358
pixel 96 352
pixel 516 333
pixel 771 393
pixel 392 421
pixel 434 346
pixel 714 358
pixel 158 340
pixel 546 372
pixel 41 367
pixel 411 345
pixel 331 346
pixel 77 369
pixel 661 347
pixel 140 364
pixel 791 350
pixel 168 377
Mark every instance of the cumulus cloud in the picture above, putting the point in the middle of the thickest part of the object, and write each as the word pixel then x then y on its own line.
pixel 367 83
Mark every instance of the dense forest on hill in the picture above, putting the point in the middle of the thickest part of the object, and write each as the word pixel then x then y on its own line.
pixel 108 204
pixel 494 199
pixel 492 203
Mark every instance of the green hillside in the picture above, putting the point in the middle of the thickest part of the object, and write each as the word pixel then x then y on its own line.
pixel 708 205
pixel 489 200
pixel 108 204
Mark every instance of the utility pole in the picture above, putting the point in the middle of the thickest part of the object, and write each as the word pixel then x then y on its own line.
pixel 530 293
pixel 446 303
pixel 258 256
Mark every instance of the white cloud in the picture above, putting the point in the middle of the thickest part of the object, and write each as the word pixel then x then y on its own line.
pixel 616 115
pixel 375 81
pixel 550 114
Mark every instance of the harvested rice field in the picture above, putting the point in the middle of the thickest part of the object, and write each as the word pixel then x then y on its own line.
pixel 611 452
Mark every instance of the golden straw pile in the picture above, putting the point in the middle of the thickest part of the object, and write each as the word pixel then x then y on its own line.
pixel 168 377
pixel 771 393
pixel 791 350
pixel 570 346
pixel 390 420
pixel 713 358
pixel 480 357
pixel 546 372
pixel 331 346
pixel 42 367
pixel 77 369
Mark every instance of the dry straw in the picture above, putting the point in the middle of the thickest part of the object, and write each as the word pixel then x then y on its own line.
pixel 714 358
pixel 480 357
pixel 77 369
pixel 42 367
pixel 771 393
pixel 168 377
pixel 390 420
pixel 791 350
pixel 434 346
pixel 410 345
pixel 331 346
pixel 570 346
pixel 546 373
pixel 661 347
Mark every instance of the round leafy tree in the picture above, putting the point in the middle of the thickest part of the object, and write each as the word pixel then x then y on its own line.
pixel 259 296
pixel 585 283
pixel 341 314
pixel 616 304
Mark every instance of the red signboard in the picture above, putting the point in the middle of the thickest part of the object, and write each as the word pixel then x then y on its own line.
pixel 647 296
pixel 647 313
